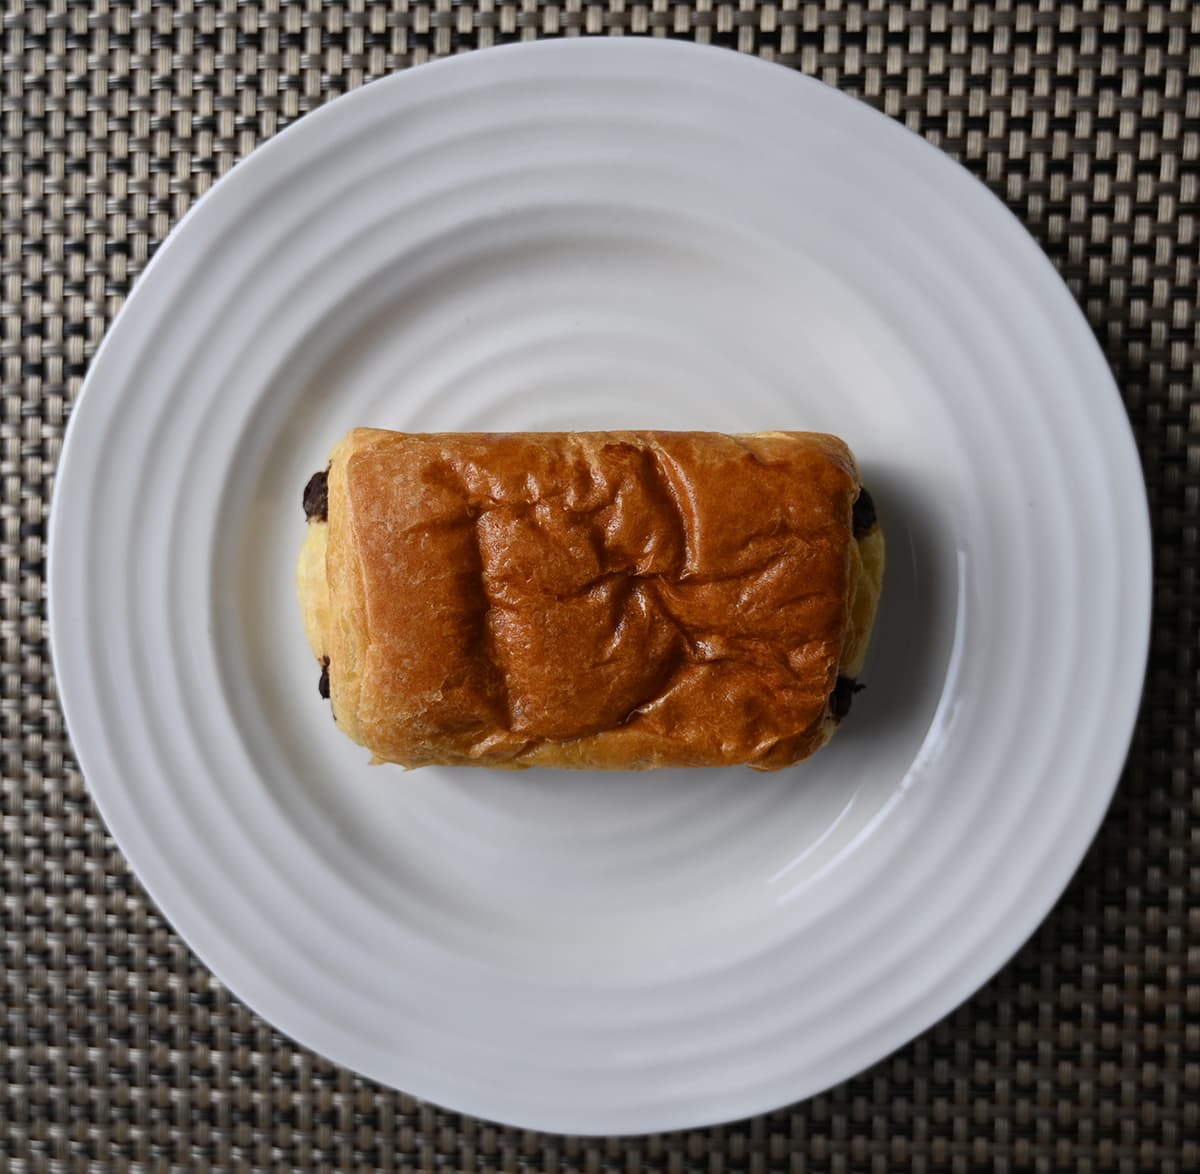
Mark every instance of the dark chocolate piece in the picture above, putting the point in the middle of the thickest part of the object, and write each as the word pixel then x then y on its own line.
pixel 323 683
pixel 864 514
pixel 316 497
pixel 842 697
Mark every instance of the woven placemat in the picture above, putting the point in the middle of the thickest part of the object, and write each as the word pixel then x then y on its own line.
pixel 118 1049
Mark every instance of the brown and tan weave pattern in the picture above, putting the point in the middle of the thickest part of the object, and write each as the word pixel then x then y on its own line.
pixel 117 1048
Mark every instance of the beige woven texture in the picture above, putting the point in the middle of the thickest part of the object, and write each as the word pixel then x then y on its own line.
pixel 119 1050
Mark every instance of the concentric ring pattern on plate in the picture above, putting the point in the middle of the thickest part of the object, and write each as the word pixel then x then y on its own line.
pixel 603 234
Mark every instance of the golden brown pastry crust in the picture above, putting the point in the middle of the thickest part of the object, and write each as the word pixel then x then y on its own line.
pixel 598 600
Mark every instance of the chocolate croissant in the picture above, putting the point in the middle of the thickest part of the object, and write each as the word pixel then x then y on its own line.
pixel 600 600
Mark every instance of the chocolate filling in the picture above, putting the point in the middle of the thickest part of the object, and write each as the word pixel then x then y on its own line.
pixel 863 514
pixel 323 683
pixel 316 497
pixel 842 697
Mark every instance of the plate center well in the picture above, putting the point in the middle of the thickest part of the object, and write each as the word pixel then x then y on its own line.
pixel 555 325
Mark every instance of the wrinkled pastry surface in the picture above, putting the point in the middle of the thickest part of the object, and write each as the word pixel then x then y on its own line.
pixel 620 599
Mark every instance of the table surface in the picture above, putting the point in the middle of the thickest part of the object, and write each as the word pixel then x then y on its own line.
pixel 119 1050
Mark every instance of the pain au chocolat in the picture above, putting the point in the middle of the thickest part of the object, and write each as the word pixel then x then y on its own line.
pixel 596 600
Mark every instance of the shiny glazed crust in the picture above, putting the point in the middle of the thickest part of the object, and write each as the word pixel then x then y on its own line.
pixel 619 600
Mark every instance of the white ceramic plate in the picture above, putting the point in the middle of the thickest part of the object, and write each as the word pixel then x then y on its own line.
pixel 603 234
